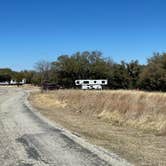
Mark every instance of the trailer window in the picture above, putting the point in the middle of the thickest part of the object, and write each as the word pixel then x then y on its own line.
pixel 94 81
pixel 86 82
pixel 103 82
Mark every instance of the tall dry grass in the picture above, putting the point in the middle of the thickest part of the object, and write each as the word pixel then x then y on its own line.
pixel 138 109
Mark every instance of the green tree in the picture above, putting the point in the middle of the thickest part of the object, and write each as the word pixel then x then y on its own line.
pixel 153 76
pixel 85 65
pixel 6 74
pixel 118 78
pixel 133 69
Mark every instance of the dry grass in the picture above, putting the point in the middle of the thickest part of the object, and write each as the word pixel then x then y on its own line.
pixel 137 109
pixel 130 123
pixel 25 87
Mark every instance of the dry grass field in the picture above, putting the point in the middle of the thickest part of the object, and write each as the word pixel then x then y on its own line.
pixel 129 123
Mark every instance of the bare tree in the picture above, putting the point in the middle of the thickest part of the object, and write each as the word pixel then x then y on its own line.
pixel 43 67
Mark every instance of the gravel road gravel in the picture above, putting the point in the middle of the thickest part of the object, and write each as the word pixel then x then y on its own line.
pixel 27 139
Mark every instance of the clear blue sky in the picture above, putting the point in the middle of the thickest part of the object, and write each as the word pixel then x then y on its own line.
pixel 33 30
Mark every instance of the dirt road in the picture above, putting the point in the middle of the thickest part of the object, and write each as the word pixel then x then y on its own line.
pixel 27 139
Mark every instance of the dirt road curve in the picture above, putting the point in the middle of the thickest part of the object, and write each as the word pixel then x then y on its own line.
pixel 28 140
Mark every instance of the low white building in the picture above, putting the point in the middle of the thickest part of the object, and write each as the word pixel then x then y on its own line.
pixel 13 82
pixel 91 84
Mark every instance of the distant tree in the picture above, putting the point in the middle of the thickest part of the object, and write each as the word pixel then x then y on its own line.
pixel 36 79
pixel 133 69
pixel 43 68
pixel 28 75
pixel 63 67
pixel 118 78
pixel 18 76
pixel 6 71
pixel 85 65
pixel 5 78
pixel 6 74
pixel 153 76
pixel 99 66
pixel 92 65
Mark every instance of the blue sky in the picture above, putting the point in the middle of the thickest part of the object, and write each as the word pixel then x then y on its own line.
pixel 33 30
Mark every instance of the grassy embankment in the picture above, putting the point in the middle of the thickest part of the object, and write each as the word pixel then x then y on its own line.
pixel 130 123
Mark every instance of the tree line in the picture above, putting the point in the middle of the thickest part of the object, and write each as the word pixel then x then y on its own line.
pixel 92 65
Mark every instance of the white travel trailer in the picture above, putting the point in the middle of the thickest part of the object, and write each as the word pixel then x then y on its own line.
pixel 91 84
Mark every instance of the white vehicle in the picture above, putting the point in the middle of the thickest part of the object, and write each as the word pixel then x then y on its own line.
pixel 91 84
